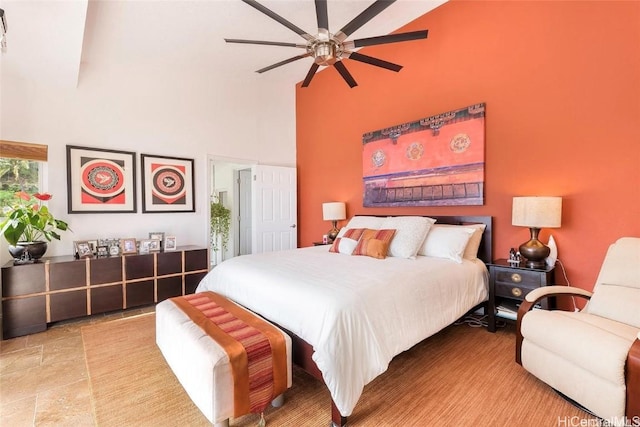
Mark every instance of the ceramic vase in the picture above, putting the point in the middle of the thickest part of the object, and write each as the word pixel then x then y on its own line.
pixel 553 254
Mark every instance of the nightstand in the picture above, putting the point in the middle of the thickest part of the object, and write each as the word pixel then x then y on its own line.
pixel 508 285
pixel 320 243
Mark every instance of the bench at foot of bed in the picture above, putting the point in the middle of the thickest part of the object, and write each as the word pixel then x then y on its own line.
pixel 200 363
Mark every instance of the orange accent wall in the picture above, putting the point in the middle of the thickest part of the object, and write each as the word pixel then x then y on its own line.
pixel 561 83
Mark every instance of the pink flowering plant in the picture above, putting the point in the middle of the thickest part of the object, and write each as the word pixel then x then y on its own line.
pixel 28 219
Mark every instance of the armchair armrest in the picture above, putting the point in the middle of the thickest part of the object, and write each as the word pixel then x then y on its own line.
pixel 546 291
pixel 549 291
pixel 536 295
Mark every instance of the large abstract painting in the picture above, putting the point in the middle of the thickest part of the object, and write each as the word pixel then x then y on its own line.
pixel 435 161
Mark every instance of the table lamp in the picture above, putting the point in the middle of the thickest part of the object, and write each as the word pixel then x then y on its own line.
pixel 334 212
pixel 536 213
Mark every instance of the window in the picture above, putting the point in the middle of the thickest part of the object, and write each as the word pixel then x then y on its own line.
pixel 18 175
pixel 21 168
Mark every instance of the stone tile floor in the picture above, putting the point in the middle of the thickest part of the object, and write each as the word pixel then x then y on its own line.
pixel 43 377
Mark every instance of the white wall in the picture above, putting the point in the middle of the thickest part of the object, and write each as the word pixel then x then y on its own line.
pixel 180 111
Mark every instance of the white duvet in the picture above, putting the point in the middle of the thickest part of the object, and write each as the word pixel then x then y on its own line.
pixel 357 312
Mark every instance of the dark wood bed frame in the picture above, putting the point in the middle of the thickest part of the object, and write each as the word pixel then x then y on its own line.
pixel 302 351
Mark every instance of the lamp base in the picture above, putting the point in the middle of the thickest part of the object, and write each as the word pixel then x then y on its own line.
pixel 540 265
pixel 534 251
pixel 333 233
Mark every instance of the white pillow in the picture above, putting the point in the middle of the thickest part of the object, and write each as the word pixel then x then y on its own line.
pixel 471 251
pixel 362 221
pixel 410 234
pixel 346 245
pixel 447 242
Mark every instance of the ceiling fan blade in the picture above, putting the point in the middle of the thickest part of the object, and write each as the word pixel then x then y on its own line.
pixel 345 74
pixel 364 17
pixel 391 38
pixel 373 61
pixel 271 14
pixel 310 74
pixel 286 61
pixel 321 13
pixel 265 42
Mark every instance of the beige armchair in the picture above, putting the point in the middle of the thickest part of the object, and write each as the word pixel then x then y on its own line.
pixel 591 356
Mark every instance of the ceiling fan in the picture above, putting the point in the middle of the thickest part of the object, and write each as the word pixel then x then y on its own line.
pixel 330 49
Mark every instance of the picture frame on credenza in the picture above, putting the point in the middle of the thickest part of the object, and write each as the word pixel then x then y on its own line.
pixel 155 245
pixel 144 246
pixel 102 251
pixel 83 249
pixel 158 235
pixel 170 243
pixel 114 250
pixel 149 245
pixel 128 246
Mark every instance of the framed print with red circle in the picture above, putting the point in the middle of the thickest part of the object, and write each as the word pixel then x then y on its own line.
pixel 100 180
pixel 167 184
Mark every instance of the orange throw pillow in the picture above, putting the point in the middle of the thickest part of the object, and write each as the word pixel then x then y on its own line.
pixel 374 243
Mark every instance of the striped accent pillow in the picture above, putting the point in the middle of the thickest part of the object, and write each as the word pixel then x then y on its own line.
pixel 352 233
pixel 374 243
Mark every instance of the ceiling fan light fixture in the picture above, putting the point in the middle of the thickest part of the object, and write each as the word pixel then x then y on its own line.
pixel 326 53
pixel 329 49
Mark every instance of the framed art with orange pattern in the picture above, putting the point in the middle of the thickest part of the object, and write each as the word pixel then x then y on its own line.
pixel 100 180
pixel 434 161
pixel 167 184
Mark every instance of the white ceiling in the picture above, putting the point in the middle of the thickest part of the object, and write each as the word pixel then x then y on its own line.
pixel 49 41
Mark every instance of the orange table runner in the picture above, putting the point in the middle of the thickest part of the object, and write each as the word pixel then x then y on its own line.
pixel 256 349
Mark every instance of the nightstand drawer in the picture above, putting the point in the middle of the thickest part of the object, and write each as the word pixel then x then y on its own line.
pixel 509 290
pixel 519 278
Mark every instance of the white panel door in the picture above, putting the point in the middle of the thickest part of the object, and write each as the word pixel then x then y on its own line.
pixel 275 208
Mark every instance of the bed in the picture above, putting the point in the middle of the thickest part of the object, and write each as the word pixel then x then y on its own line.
pixel 338 308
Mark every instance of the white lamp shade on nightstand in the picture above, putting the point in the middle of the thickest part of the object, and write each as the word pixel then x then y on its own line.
pixel 334 211
pixel 537 212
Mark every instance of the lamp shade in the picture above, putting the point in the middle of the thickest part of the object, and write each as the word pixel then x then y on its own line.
pixel 334 211
pixel 537 212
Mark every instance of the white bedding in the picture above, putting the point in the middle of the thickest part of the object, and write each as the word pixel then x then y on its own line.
pixel 357 312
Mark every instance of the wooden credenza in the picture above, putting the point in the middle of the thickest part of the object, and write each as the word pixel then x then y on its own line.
pixel 61 288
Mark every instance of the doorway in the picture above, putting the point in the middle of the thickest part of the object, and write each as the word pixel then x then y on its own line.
pixel 230 183
pixel 263 204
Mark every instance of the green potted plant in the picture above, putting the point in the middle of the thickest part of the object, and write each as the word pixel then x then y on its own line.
pixel 220 225
pixel 28 225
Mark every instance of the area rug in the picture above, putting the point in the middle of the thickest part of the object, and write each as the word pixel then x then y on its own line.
pixel 462 376
pixel 132 385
